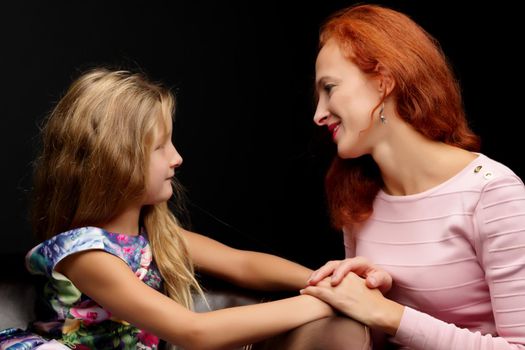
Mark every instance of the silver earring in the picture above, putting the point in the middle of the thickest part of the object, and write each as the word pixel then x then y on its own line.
pixel 381 115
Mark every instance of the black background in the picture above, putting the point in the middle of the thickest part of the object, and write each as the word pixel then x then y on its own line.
pixel 253 160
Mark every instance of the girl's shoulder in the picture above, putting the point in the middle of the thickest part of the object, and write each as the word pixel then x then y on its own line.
pixel 43 258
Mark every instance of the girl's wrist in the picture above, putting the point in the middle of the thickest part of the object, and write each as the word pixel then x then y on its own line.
pixel 325 309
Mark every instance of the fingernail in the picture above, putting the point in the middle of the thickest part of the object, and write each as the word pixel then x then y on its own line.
pixel 373 281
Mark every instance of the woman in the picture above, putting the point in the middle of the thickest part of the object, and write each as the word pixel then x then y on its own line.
pixel 412 195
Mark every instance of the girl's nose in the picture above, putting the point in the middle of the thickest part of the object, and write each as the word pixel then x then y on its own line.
pixel 176 159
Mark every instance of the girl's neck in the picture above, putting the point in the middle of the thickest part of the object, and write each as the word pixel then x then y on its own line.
pixel 410 163
pixel 125 223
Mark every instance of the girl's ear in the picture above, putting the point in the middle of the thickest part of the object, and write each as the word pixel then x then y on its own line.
pixel 386 82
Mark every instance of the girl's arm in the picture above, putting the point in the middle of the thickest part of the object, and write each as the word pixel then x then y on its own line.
pixel 245 268
pixel 111 283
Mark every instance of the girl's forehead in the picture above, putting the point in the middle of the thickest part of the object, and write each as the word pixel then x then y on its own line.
pixel 163 125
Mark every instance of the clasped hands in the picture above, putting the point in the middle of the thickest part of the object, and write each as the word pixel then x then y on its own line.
pixel 355 287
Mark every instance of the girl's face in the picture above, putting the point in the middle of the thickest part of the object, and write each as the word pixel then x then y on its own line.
pixel 347 97
pixel 164 158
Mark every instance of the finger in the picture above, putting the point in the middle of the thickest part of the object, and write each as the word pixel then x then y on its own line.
pixel 319 293
pixel 371 282
pixel 325 283
pixel 357 265
pixel 323 272
pixel 341 271
pixel 379 279
pixel 360 265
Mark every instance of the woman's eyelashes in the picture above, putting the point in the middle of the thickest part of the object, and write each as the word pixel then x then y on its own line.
pixel 328 88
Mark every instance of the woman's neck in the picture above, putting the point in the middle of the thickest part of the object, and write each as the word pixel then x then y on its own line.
pixel 410 163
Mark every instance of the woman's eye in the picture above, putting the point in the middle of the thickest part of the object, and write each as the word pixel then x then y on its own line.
pixel 328 88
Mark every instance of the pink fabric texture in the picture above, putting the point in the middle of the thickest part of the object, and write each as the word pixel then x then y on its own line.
pixel 456 253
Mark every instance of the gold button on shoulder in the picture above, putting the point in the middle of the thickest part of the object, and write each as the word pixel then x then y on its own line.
pixel 488 175
pixel 478 168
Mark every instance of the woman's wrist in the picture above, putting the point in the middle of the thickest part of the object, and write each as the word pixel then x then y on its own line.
pixel 388 317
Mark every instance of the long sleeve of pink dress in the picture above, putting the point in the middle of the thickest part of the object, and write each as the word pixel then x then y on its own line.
pixel 457 256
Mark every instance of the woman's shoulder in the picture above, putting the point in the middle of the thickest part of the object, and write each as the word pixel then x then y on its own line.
pixel 481 174
pixel 485 183
pixel 487 171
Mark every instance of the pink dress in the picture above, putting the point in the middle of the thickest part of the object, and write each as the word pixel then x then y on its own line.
pixel 456 253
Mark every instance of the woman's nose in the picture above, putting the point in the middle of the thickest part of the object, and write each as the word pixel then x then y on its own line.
pixel 321 115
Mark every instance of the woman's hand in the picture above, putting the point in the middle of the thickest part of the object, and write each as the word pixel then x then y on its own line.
pixel 338 269
pixel 355 299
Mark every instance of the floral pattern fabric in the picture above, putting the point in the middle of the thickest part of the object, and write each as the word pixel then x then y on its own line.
pixel 72 318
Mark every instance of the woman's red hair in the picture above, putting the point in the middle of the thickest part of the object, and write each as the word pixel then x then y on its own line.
pixel 426 93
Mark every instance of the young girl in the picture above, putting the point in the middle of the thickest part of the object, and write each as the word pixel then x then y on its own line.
pixel 117 267
pixel 411 194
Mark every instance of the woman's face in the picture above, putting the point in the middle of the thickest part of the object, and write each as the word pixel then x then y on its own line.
pixel 347 97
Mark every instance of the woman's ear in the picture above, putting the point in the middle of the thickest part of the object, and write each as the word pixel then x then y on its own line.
pixel 386 82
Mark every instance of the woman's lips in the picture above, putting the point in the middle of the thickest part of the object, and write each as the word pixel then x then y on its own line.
pixel 333 128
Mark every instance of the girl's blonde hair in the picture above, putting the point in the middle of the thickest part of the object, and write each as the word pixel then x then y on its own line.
pixel 95 153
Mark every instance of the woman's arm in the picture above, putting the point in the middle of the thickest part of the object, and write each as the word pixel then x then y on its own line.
pixel 111 283
pixel 245 268
pixel 499 242
pixel 353 297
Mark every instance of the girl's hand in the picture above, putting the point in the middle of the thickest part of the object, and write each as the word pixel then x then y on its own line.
pixel 355 299
pixel 338 269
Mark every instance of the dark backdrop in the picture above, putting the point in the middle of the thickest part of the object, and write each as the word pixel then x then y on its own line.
pixel 253 160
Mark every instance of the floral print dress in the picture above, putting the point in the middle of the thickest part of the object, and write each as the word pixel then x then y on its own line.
pixel 70 319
